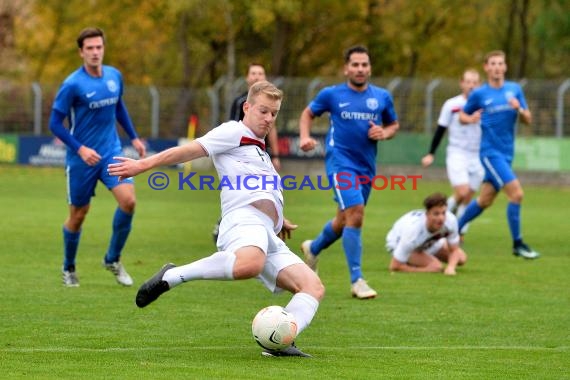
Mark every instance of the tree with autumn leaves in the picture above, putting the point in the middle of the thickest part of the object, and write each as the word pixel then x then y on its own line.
pixel 193 43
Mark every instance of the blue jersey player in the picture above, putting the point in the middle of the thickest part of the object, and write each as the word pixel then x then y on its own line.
pixel 361 114
pixel 501 102
pixel 91 100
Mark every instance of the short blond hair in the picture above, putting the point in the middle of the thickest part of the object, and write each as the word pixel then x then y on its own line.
pixel 266 88
pixel 494 53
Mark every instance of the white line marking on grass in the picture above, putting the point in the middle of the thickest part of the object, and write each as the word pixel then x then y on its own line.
pixel 206 348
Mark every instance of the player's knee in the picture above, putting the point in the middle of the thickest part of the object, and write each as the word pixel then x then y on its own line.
pixel 517 196
pixel 485 202
pixel 74 224
pixel 313 287
pixel 76 218
pixel 318 290
pixel 355 217
pixel 128 204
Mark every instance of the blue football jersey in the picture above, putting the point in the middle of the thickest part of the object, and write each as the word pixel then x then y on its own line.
pixel 347 142
pixel 90 105
pixel 498 120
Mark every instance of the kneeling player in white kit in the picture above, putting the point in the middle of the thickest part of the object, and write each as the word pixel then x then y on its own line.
pixel 249 245
pixel 422 240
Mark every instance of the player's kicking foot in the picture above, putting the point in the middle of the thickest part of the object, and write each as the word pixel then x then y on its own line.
pixel 292 350
pixel 119 272
pixel 523 250
pixel 153 288
pixel 361 290
pixel 310 259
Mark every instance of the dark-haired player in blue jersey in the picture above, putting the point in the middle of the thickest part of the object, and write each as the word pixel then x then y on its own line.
pixel 91 100
pixel 361 114
pixel 501 102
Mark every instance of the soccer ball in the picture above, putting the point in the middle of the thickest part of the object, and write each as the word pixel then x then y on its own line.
pixel 274 328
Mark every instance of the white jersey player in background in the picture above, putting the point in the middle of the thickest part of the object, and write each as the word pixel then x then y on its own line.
pixel 421 240
pixel 249 245
pixel 464 168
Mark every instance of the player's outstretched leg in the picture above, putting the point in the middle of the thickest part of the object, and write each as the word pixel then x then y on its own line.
pixel 153 288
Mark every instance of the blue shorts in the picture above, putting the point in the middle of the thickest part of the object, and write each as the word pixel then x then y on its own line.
pixel 82 180
pixel 351 189
pixel 498 171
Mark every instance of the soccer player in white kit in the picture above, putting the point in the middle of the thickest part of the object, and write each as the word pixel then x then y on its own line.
pixel 422 240
pixel 464 168
pixel 249 245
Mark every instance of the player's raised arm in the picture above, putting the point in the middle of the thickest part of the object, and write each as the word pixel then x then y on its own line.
pixel 129 168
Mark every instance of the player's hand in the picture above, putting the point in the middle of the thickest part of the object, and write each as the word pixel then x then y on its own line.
pixel 449 271
pixel 476 117
pixel 285 232
pixel 307 143
pixel 378 132
pixel 89 156
pixel 427 160
pixel 375 132
pixel 139 147
pixel 126 168
pixel 514 102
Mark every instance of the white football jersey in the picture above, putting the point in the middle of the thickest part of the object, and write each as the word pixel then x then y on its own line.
pixel 465 137
pixel 244 168
pixel 410 234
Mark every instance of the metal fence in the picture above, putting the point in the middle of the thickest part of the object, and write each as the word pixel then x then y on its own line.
pixel 164 111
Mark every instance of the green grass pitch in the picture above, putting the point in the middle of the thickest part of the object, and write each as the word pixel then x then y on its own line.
pixel 500 318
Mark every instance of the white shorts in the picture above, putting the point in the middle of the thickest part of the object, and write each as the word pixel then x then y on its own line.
pixel 247 226
pixel 464 168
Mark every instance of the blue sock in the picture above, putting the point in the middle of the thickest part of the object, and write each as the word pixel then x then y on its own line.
pixel 352 244
pixel 472 211
pixel 514 219
pixel 121 228
pixel 325 239
pixel 70 244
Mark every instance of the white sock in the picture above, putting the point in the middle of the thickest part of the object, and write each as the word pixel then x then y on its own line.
pixel 218 266
pixel 451 204
pixel 304 307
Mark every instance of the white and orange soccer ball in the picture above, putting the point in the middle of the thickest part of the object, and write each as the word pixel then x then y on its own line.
pixel 274 328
